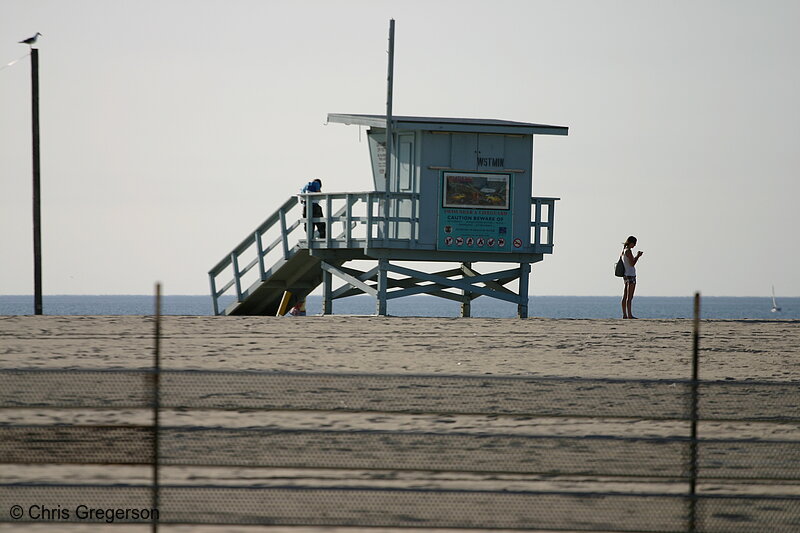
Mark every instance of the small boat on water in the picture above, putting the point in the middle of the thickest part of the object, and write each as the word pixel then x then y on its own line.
pixel 775 308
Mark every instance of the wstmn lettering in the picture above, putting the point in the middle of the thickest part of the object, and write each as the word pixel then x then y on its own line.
pixel 491 162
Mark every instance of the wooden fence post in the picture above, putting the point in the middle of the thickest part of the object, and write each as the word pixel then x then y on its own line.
pixel 156 405
pixel 693 414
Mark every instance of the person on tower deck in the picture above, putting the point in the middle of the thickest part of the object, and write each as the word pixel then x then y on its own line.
pixel 316 211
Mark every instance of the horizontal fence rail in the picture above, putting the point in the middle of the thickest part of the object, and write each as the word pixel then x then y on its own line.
pixel 419 508
pixel 578 455
pixel 378 450
pixel 491 395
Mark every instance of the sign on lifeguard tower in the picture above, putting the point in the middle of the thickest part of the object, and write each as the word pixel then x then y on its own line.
pixel 475 213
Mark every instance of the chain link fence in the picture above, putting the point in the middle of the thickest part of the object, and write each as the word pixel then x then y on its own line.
pixel 423 451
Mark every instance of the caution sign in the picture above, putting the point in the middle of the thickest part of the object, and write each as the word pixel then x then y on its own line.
pixel 475 212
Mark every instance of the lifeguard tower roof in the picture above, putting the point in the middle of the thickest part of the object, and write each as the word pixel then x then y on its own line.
pixel 450 124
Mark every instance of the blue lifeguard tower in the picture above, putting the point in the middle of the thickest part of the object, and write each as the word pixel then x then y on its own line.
pixel 457 191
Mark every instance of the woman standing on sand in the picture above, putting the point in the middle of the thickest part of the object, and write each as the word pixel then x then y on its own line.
pixel 629 260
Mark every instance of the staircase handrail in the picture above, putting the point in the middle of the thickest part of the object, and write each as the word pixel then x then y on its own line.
pixel 250 239
pixel 380 217
pixel 253 238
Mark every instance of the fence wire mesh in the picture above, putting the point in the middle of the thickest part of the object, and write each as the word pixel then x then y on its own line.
pixel 423 451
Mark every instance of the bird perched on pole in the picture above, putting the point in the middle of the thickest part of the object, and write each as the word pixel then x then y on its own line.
pixel 30 41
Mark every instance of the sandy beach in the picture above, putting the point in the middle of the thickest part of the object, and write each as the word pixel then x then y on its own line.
pixel 760 350
pixel 278 450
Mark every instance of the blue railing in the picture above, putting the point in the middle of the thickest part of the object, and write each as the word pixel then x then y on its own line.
pixel 542 215
pixel 353 220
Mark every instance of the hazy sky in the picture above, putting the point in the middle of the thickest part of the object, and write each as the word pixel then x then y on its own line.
pixel 171 129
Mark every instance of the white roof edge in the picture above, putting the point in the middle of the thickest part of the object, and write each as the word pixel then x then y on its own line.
pixel 448 124
pixel 358 120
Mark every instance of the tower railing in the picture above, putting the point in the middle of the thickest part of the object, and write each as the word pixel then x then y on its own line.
pixel 542 217
pixel 364 220
pixel 353 220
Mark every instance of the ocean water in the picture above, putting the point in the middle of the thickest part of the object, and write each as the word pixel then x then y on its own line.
pixel 714 307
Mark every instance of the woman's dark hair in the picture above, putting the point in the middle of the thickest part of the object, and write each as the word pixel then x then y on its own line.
pixel 630 240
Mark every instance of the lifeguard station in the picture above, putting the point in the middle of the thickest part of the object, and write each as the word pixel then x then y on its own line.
pixel 457 191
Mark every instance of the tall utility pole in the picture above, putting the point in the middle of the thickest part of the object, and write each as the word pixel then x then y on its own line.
pixel 389 90
pixel 37 212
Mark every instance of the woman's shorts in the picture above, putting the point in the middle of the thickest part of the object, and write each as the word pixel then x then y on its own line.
pixel 630 280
